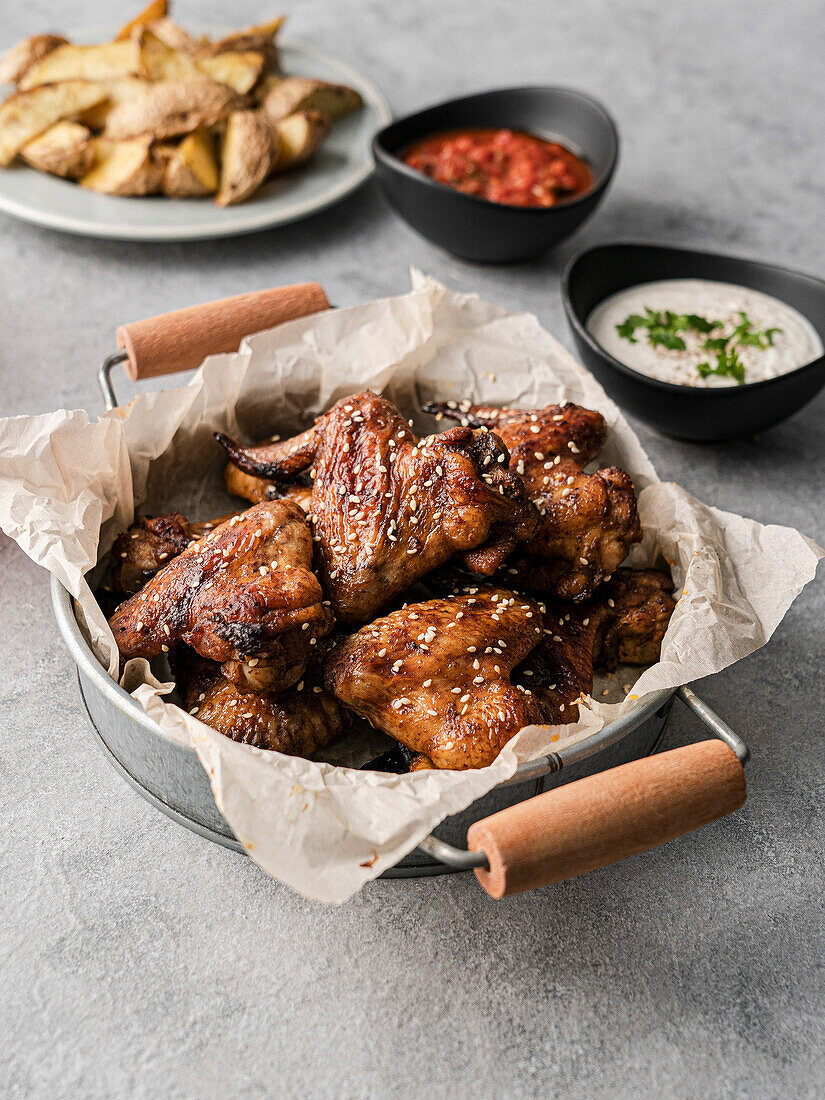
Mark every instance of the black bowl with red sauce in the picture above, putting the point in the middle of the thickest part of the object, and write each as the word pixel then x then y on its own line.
pixel 464 200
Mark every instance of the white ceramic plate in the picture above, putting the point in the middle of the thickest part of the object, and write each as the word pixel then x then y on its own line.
pixel 343 163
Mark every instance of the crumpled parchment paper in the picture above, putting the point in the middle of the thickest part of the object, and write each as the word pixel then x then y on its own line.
pixel 68 485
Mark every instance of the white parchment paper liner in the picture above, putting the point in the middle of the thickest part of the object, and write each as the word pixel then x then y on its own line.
pixel 69 485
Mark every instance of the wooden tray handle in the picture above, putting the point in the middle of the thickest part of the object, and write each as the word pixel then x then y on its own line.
pixel 181 340
pixel 607 817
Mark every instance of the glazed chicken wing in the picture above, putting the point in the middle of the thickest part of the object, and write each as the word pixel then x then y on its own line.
pixel 437 675
pixel 151 543
pixel 257 489
pixel 388 507
pixel 245 596
pixel 297 722
pixel 587 521
pixel 624 624
pixel 554 430
pixel 632 613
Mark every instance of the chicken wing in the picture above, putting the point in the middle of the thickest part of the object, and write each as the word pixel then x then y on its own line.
pixel 388 507
pixel 244 595
pixel 632 613
pixel 152 542
pixel 257 489
pixel 437 675
pixel 587 521
pixel 297 722
pixel 553 430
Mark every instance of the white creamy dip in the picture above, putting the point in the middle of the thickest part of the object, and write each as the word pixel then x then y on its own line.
pixel 797 344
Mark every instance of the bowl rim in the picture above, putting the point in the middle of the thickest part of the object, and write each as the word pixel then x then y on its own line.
pixel 699 393
pixel 392 160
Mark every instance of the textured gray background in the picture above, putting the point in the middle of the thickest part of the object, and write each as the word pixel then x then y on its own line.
pixel 141 961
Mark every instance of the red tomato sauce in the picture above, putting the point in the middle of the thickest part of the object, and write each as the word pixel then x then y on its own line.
pixel 506 166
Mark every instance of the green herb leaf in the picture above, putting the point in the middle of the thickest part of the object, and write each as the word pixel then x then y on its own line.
pixel 628 327
pixel 702 324
pixel 665 338
pixel 716 343
pixel 728 364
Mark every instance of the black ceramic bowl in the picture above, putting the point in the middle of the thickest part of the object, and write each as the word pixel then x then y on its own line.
pixel 703 415
pixel 492 232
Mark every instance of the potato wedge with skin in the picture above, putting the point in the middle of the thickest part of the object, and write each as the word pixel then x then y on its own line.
pixel 21 57
pixel 117 91
pixel 258 38
pixel 154 10
pixel 265 85
pixel 175 37
pixel 297 138
pixel 105 62
pixel 192 167
pixel 161 62
pixel 26 115
pixel 66 149
pixel 300 93
pixel 246 157
pixel 123 168
pixel 171 108
pixel 237 69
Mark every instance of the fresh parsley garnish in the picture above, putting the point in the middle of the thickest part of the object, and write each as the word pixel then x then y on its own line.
pixel 663 328
pixel 727 363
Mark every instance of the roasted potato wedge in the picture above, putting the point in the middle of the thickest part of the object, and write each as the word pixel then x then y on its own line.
pixel 117 91
pixel 192 167
pixel 297 138
pixel 171 108
pixel 237 69
pixel 21 57
pixel 258 38
pixel 26 115
pixel 65 149
pixel 123 168
pixel 162 62
pixel 85 63
pixel 175 37
pixel 246 157
pixel 154 10
pixel 300 93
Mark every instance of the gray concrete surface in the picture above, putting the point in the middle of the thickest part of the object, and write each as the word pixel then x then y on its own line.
pixel 141 961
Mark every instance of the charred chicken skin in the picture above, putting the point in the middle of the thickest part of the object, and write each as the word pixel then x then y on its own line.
pixel 388 507
pixel 244 596
pixel 151 543
pixel 587 521
pixel 297 722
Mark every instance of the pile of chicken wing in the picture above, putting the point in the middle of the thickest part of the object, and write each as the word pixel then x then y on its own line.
pixel 449 589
